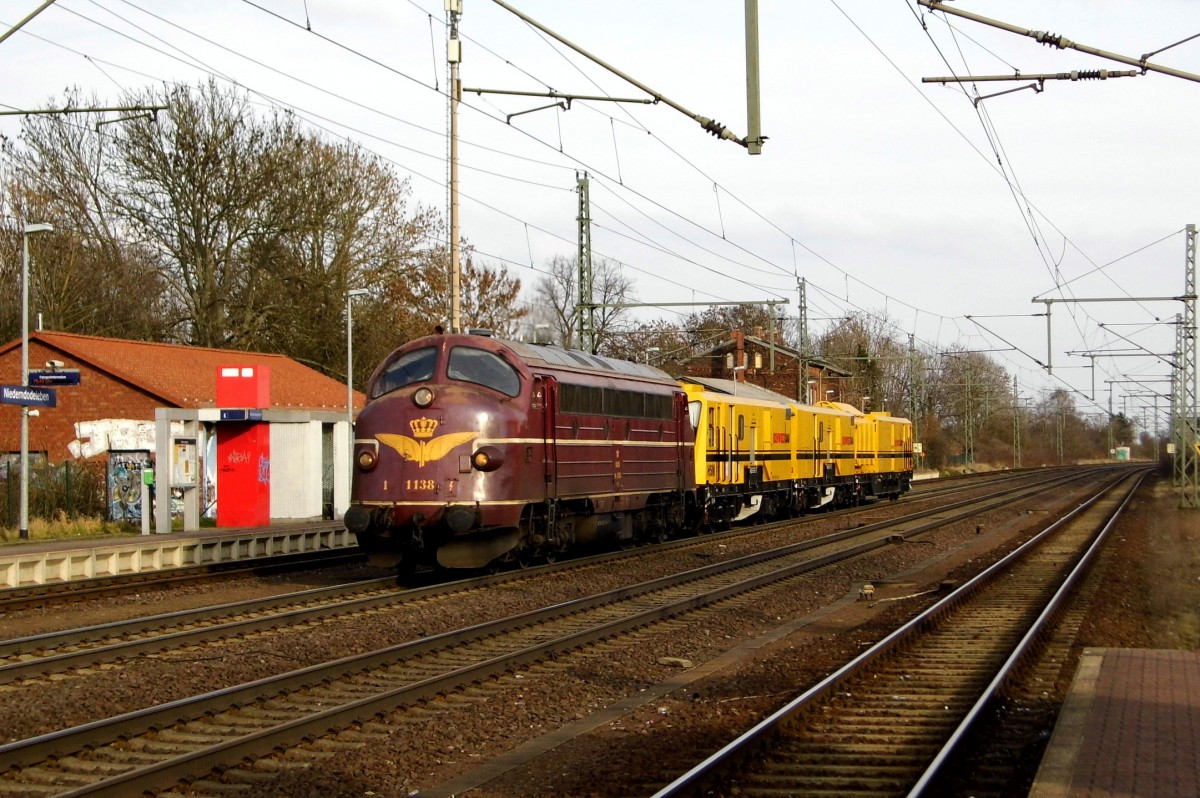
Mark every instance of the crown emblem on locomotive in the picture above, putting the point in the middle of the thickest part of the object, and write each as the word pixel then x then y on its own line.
pixel 428 449
pixel 423 427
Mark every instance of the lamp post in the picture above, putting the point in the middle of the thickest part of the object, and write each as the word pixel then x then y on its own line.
pixel 866 402
pixel 736 369
pixel 651 350
pixel 350 295
pixel 23 529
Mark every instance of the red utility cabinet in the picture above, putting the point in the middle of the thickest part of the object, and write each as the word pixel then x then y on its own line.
pixel 243 447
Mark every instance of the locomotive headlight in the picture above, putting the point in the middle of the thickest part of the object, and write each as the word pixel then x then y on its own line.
pixel 367 459
pixel 423 397
pixel 487 458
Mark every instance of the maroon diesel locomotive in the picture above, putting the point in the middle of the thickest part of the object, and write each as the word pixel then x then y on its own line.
pixel 473 451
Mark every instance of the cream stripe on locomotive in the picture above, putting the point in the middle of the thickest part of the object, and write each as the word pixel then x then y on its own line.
pixel 410 503
pixel 577 442
pixel 497 502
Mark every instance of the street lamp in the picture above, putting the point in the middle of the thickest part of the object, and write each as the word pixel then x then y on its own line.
pixel 866 402
pixel 651 350
pixel 350 295
pixel 23 529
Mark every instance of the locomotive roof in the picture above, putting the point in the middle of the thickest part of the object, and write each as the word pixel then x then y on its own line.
pixel 578 360
pixel 743 389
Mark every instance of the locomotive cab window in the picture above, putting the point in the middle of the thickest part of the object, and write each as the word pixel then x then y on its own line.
pixel 415 366
pixel 483 368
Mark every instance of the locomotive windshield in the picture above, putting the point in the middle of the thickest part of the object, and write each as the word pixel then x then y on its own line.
pixel 483 368
pixel 414 366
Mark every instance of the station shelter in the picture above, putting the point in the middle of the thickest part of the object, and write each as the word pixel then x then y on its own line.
pixel 244 437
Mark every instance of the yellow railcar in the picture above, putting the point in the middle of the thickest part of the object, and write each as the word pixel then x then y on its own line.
pixel 758 452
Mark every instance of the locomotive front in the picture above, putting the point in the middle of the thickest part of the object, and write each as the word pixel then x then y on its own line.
pixel 446 454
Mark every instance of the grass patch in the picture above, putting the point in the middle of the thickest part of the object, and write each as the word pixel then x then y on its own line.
pixel 63 527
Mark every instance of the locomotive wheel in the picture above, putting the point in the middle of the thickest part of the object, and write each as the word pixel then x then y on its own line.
pixel 406 569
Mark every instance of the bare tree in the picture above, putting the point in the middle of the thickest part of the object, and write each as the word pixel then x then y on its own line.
pixel 340 220
pixel 719 320
pixel 657 343
pixel 219 227
pixel 196 185
pixel 559 293
pixel 90 276
pixel 419 297
pixel 865 345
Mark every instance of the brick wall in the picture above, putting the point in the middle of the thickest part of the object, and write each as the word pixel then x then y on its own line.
pixel 98 396
pixel 782 381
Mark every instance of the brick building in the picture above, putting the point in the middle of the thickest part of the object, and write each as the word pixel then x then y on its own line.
pixel 123 385
pixel 756 360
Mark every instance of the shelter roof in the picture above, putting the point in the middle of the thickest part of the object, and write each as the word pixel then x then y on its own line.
pixel 186 376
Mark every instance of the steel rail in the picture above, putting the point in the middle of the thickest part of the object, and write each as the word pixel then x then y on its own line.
pixel 14 598
pixel 60 744
pixel 704 774
pixel 120 640
pixel 1040 627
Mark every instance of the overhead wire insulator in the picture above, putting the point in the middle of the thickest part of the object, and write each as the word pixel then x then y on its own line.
pixel 1052 39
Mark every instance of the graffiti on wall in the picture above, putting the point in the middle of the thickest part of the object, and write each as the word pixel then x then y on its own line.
pixel 125 484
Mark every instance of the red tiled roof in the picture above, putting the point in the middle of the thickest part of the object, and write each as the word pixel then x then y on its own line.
pixel 186 376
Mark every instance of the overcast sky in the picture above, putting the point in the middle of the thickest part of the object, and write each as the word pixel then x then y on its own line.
pixel 887 195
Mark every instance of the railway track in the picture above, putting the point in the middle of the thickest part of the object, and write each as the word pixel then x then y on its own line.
pixel 155 748
pixel 14 599
pixel 38 656
pixel 887 723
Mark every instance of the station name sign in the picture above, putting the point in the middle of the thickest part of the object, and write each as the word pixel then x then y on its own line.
pixel 28 396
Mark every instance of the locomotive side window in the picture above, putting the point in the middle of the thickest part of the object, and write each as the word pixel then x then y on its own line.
pixel 483 368
pixel 580 399
pixel 597 400
pixel 659 407
pixel 414 366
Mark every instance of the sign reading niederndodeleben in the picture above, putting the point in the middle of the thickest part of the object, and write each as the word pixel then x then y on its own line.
pixel 27 396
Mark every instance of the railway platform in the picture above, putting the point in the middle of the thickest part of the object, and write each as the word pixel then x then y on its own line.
pixel 30 563
pixel 1130 727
